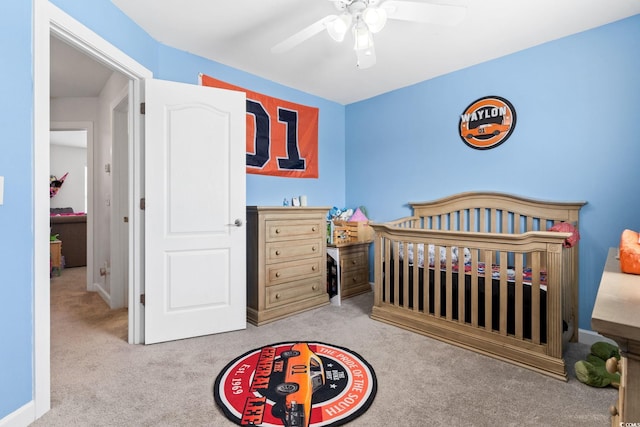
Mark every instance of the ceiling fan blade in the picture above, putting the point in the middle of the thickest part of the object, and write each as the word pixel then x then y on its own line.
pixel 429 13
pixel 303 35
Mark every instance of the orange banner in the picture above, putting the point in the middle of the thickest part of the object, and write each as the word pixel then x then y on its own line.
pixel 282 137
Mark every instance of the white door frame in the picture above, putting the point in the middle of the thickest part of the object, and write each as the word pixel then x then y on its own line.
pixel 49 19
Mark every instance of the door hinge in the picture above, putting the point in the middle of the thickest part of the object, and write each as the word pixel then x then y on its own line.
pixel 143 204
pixel 142 108
pixel 142 299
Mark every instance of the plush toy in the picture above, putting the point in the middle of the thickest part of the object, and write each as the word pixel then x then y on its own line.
pixel 600 369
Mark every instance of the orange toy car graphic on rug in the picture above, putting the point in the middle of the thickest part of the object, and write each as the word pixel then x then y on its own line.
pixel 304 375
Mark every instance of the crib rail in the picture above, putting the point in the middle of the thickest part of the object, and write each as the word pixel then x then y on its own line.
pixel 455 301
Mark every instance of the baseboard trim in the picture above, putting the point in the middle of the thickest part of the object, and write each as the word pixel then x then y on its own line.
pixel 103 294
pixel 21 417
pixel 588 337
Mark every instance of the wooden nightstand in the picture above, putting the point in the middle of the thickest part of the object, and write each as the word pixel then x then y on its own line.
pixel 352 269
pixel 55 254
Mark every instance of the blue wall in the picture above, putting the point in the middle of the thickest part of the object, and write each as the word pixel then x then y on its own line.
pixel 16 213
pixel 16 160
pixel 577 137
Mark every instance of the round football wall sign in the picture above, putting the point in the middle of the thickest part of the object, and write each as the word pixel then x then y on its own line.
pixel 487 122
pixel 305 384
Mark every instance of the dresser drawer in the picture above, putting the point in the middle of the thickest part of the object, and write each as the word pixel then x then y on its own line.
pixel 280 251
pixel 354 260
pixel 355 278
pixel 355 282
pixel 292 230
pixel 291 292
pixel 286 271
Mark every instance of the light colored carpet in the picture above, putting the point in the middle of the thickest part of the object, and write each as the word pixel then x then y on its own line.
pixel 100 380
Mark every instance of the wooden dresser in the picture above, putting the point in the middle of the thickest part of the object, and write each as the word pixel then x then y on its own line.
pixel 286 261
pixel 616 315
pixel 352 260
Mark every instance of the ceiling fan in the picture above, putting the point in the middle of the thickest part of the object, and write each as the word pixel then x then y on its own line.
pixel 367 17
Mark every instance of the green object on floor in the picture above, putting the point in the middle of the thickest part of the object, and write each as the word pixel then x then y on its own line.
pixel 604 350
pixel 593 371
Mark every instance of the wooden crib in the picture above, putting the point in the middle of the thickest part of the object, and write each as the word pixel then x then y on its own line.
pixel 513 297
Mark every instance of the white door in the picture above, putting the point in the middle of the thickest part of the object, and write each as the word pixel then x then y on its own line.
pixel 195 276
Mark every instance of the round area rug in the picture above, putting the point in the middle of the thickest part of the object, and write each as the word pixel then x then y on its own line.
pixel 296 384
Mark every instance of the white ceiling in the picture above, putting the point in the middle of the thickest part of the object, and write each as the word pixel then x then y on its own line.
pixel 68 138
pixel 240 34
pixel 74 74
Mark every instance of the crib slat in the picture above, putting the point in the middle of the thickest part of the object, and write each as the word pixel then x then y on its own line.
pixel 485 223
pixel 405 273
pixel 505 222
pixel 449 284
pixel 461 287
pixel 436 282
pixel 488 303
pixel 535 297
pixel 503 293
pixel 517 223
pixel 472 220
pixel 493 214
pixel 387 275
pixel 474 288
pixel 554 301
pixel 396 273
pixel 377 270
pixel 519 265
pixel 416 279
pixel 427 281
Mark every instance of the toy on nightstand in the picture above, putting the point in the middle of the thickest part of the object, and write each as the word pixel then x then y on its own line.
pixel 600 369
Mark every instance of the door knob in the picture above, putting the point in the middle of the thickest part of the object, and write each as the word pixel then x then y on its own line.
pixel 237 223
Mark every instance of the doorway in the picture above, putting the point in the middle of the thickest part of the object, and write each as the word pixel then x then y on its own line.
pixel 51 21
pixel 92 96
pixel 80 199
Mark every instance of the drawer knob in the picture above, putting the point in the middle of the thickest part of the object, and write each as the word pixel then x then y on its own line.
pixel 314 287
pixel 278 274
pixel 313 267
pixel 313 248
pixel 355 279
pixel 277 296
pixel 314 228
pixel 277 252
pixel 354 262
pixel 277 231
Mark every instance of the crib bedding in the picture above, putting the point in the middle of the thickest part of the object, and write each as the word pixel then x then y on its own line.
pixel 481 270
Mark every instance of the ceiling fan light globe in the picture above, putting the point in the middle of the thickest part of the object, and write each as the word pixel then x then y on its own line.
pixel 375 18
pixel 362 36
pixel 339 27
